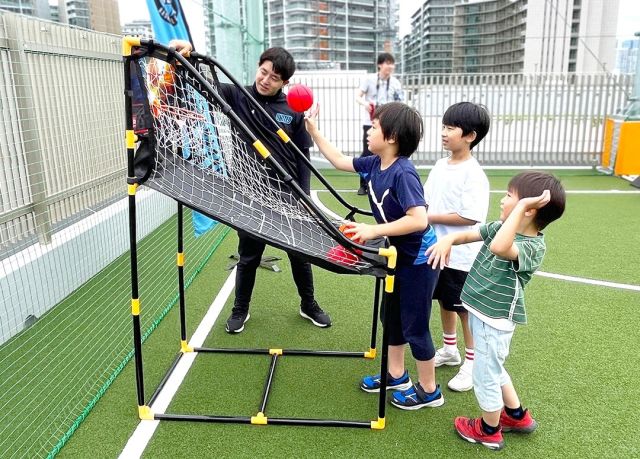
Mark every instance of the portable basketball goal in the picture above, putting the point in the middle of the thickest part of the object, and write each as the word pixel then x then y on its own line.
pixel 186 142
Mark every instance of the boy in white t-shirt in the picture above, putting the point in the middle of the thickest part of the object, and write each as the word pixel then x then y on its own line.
pixel 457 196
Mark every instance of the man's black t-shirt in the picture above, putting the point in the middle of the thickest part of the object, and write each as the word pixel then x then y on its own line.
pixel 291 122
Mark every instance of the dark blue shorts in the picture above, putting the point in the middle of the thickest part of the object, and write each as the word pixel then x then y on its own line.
pixel 409 309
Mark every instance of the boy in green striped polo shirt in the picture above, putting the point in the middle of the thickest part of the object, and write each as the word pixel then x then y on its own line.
pixel 512 250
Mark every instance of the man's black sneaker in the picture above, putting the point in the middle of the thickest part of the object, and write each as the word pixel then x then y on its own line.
pixel 362 191
pixel 235 322
pixel 315 314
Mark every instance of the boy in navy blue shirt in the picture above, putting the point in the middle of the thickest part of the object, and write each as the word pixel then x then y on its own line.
pixel 397 201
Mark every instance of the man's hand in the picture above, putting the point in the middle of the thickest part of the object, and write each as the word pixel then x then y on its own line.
pixel 182 46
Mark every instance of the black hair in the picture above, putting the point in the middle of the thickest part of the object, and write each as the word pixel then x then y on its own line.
pixel 385 57
pixel 282 60
pixel 401 123
pixel 533 183
pixel 470 118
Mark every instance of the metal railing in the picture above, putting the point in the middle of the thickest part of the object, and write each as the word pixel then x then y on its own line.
pixel 61 147
pixel 537 120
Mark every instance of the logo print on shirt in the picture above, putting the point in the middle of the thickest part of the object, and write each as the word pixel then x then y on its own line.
pixel 379 204
pixel 282 118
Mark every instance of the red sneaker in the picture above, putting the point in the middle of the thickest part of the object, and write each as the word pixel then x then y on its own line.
pixel 525 425
pixel 471 430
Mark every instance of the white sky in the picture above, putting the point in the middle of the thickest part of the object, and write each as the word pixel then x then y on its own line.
pixel 628 19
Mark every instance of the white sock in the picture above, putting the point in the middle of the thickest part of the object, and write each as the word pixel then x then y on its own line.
pixel 468 358
pixel 450 343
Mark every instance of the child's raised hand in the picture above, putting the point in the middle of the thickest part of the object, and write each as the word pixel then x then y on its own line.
pixel 310 119
pixel 439 254
pixel 536 202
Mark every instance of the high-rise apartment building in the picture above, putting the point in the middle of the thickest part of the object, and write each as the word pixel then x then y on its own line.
pixel 345 34
pixel 100 15
pixel 512 36
pixel 37 8
pixel 428 48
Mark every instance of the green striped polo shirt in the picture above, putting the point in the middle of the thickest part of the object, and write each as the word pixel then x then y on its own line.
pixel 495 286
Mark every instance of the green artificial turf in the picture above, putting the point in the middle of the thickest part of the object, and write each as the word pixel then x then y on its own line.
pixel 573 365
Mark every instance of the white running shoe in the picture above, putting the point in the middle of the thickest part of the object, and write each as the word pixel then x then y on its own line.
pixel 463 381
pixel 447 358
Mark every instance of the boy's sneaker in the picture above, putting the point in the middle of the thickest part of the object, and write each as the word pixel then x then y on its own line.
pixel 372 383
pixel 525 425
pixel 471 430
pixel 235 322
pixel 362 191
pixel 462 381
pixel 415 398
pixel 447 358
pixel 315 314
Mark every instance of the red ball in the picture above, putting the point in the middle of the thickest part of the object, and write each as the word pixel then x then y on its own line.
pixel 299 98
pixel 339 254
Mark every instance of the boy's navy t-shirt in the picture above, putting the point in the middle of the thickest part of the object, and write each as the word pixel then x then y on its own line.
pixel 392 192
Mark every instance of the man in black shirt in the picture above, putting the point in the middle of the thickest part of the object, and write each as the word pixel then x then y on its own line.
pixel 275 67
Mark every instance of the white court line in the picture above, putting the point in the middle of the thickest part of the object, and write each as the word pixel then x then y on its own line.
pixel 581 280
pixel 143 433
pixel 584 280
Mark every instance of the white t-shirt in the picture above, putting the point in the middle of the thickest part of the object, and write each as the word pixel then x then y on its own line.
pixel 379 92
pixel 463 189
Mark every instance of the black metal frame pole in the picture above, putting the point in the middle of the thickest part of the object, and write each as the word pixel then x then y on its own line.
pixel 165 378
pixel 180 264
pixel 267 384
pixel 392 258
pixel 374 320
pixel 384 365
pixel 131 191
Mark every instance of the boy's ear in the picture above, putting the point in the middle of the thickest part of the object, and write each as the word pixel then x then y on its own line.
pixel 530 213
pixel 470 137
pixel 392 139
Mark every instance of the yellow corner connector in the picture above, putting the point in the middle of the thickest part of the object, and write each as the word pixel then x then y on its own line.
pixel 260 148
pixel 131 139
pixel 184 347
pixel 131 189
pixel 275 351
pixel 145 413
pixel 391 254
pixel 283 135
pixel 388 283
pixel 128 43
pixel 135 306
pixel 371 354
pixel 180 258
pixel 378 425
pixel 259 419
